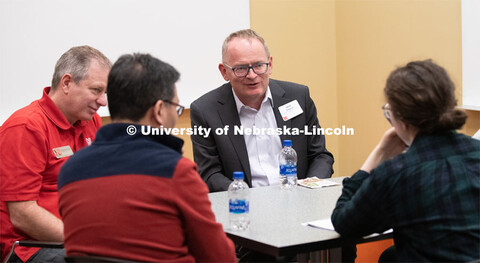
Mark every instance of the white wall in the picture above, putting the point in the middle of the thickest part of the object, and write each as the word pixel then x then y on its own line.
pixel 471 54
pixel 185 33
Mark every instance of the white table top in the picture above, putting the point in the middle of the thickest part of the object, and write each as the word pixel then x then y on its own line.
pixel 276 218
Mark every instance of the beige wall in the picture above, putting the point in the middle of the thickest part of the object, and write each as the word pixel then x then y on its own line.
pixel 373 37
pixel 345 49
pixel 301 38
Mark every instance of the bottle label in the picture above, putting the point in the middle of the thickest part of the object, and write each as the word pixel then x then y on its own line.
pixel 238 206
pixel 288 170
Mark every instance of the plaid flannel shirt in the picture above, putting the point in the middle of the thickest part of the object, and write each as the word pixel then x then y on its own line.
pixel 429 195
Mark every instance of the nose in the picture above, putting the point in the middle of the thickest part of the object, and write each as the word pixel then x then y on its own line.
pixel 251 74
pixel 102 100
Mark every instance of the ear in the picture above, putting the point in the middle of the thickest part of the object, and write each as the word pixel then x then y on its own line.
pixel 223 71
pixel 270 66
pixel 158 114
pixel 65 82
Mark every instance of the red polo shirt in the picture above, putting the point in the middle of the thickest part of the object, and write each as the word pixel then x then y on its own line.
pixel 34 143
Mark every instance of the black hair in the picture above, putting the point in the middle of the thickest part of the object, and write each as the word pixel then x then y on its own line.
pixel 136 82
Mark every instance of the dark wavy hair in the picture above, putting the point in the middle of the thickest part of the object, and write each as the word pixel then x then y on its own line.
pixel 422 94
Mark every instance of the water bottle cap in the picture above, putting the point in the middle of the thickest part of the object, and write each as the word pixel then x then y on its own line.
pixel 287 143
pixel 238 175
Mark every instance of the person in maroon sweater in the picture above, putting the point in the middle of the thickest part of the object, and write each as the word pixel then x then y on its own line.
pixel 132 195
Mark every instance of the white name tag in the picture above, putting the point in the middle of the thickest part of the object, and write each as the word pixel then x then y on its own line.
pixel 63 151
pixel 290 110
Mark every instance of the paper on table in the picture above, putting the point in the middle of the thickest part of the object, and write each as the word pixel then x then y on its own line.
pixel 376 234
pixel 315 182
pixel 327 224
pixel 322 223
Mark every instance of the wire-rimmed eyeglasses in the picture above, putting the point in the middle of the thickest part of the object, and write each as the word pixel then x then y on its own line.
pixel 387 113
pixel 179 108
pixel 242 70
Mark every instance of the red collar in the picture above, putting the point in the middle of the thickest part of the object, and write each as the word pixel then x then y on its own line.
pixel 54 113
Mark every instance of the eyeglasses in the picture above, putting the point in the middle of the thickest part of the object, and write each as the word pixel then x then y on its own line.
pixel 387 113
pixel 179 108
pixel 242 70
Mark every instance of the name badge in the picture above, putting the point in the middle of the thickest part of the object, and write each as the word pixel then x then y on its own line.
pixel 63 151
pixel 290 110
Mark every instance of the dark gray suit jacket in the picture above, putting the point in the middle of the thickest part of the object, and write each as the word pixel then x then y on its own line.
pixel 218 156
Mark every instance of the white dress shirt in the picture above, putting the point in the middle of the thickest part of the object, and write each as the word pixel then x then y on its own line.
pixel 263 149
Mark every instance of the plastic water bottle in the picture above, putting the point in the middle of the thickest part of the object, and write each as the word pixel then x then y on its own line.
pixel 288 166
pixel 238 203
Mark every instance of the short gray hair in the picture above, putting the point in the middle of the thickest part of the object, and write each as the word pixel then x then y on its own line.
pixel 247 34
pixel 76 61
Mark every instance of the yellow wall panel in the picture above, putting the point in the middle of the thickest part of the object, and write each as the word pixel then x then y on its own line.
pixel 345 49
pixel 373 38
pixel 301 37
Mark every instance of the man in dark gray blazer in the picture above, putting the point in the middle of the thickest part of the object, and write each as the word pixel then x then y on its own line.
pixel 252 101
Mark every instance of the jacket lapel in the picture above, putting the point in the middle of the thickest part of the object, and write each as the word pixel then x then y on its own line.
pixel 278 96
pixel 227 110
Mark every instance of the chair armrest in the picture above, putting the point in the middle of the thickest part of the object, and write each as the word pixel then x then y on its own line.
pixel 42 244
pixel 32 243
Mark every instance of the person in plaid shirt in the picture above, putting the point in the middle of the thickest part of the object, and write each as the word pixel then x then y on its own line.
pixel 422 179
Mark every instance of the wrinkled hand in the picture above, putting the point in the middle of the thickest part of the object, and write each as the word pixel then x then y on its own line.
pixel 389 146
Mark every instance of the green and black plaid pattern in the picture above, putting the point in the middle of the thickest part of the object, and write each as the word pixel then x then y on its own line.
pixel 429 195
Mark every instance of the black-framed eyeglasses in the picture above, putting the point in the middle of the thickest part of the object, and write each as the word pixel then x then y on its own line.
pixel 242 70
pixel 387 113
pixel 179 107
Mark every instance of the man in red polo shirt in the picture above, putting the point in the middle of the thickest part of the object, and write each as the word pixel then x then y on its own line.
pixel 34 143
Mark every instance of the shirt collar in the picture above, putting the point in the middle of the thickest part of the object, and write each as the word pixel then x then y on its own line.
pixel 54 113
pixel 240 105
pixel 117 133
